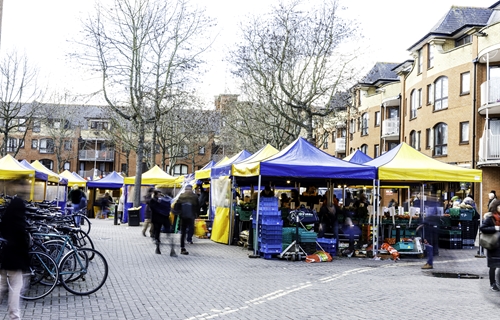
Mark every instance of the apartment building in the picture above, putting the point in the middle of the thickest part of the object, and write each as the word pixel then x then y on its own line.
pixel 445 102
pixel 82 139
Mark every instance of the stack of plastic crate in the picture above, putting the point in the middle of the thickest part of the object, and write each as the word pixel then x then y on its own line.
pixel 287 236
pixel 269 230
pixel 307 240
pixel 328 245
pixel 468 234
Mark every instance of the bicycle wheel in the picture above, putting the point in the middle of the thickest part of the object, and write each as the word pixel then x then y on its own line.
pixel 41 278
pixel 82 240
pixel 85 224
pixel 93 273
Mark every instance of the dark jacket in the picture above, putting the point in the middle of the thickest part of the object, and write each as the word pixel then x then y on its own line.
pixel 192 199
pixel 146 200
pixel 13 229
pixel 75 196
pixel 488 227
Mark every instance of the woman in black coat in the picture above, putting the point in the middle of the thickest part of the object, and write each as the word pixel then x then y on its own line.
pixel 491 224
pixel 15 257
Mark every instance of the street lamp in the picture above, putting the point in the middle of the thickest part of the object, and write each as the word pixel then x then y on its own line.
pixel 95 158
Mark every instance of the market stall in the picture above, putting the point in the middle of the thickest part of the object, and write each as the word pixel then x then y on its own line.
pixel 16 178
pixel 358 157
pixel 221 194
pixel 56 185
pixel 111 182
pixel 41 179
pixel 404 164
pixel 151 178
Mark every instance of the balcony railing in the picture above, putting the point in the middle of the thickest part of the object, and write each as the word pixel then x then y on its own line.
pixel 489 146
pixel 493 88
pixel 340 145
pixel 107 155
pixel 390 127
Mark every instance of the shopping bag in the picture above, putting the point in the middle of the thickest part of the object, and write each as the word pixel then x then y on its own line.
pixel 319 256
pixel 489 241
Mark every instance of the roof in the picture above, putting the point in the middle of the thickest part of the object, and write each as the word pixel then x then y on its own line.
pixel 456 19
pixel 381 72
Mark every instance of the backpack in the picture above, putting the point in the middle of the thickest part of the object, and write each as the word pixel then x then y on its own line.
pixel 164 206
pixel 186 211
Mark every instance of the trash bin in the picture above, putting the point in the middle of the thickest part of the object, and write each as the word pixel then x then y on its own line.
pixel 134 217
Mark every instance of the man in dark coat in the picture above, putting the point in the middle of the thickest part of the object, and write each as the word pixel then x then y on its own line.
pixel 189 208
pixel 15 257
pixel 160 216
pixel 491 224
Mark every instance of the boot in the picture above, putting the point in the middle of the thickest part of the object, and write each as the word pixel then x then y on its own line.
pixel 172 253
pixel 158 249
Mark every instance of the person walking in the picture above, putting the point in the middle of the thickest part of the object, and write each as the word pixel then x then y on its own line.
pixel 147 214
pixel 121 204
pixel 189 208
pixel 75 196
pixel 15 256
pixel 492 196
pixel 160 216
pixel 491 224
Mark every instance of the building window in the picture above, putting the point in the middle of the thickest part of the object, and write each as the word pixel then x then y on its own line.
pixel 428 138
pixel 441 93
pixel 465 83
pixel 419 61
pixel 123 167
pixel 36 125
pixel 430 56
pixel 413 139
pixel 34 144
pixel 376 150
pixel 419 134
pixel 99 125
pixel 413 104
pixel 364 124
pixel 464 40
pixel 342 133
pixel 325 141
pixel 48 163
pixel 46 146
pixel 441 139
pixel 11 144
pixel 185 151
pixel 334 135
pixel 67 145
pixel 22 125
pixel 352 126
pixel 430 93
pixel 201 150
pixel 377 119
pixel 364 148
pixel 67 166
pixel 21 143
pixel 464 132
pixel 180 169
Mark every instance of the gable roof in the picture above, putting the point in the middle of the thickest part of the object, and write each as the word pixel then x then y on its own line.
pixel 380 73
pixel 456 19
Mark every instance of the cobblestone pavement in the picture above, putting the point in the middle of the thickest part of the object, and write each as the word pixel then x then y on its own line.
pixel 217 281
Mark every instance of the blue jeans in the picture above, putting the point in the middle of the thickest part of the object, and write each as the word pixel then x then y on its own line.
pixel 76 207
pixel 429 250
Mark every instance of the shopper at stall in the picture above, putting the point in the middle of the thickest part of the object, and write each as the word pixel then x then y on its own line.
pixel 327 219
pixel 188 208
pixel 491 224
pixel 267 192
pixel 284 201
pixel 160 216
pixel 15 257
pixel 492 197
pixel 295 198
pixel 203 201
pixel 147 214
pixel 121 203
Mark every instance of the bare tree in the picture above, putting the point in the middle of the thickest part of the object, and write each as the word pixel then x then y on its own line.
pixel 144 49
pixel 293 57
pixel 17 85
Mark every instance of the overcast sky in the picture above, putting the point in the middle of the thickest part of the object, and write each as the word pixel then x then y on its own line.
pixel 43 28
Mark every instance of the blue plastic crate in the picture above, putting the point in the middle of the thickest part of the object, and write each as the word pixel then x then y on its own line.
pixel 270 248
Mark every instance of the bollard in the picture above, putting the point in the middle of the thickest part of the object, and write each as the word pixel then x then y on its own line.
pixel 115 218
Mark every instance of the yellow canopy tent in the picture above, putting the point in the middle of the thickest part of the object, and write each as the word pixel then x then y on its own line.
pixel 53 177
pixel 73 179
pixel 15 177
pixel 221 192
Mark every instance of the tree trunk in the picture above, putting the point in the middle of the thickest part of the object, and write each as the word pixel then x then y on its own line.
pixel 138 166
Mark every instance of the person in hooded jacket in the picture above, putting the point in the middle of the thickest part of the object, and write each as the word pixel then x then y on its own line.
pixel 189 209
pixel 15 254
pixel 491 224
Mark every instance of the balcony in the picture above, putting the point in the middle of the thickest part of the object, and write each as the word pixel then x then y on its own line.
pixel 107 155
pixel 340 145
pixel 490 97
pixel 489 149
pixel 390 129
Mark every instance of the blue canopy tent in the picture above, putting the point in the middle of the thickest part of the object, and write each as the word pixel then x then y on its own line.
pixel 358 157
pixel 303 161
pixel 112 181
pixel 225 168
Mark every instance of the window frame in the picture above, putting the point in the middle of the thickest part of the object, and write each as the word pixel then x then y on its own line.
pixel 461 138
pixel 34 144
pixel 440 143
pixel 377 119
pixel 364 148
pixel 376 150
pixel 462 91
pixel 430 56
pixel 413 104
pixel 365 118
pixel 441 101
pixel 428 138
pixel 420 61
pixel 430 94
